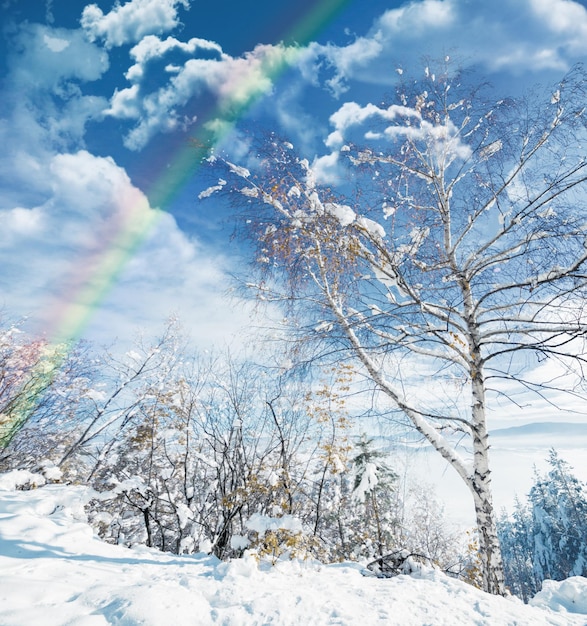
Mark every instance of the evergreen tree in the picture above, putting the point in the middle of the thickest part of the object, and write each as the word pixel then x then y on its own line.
pixel 547 537
pixel 374 483
pixel 517 545
pixel 559 509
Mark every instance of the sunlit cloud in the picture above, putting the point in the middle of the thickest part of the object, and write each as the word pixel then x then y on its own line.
pixel 130 22
pixel 63 210
pixel 511 35
pixel 152 47
pixel 231 81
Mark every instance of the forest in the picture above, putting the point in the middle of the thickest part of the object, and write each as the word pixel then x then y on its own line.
pixel 420 272
pixel 192 453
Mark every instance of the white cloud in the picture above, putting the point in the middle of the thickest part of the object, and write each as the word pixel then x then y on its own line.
pixel 327 169
pixel 130 22
pixel 61 256
pixel 126 103
pixel 20 223
pixel 152 47
pixel 168 273
pixel 297 122
pixel 351 114
pixel 563 16
pixel 55 44
pixel 417 18
pixel 174 274
pixel 95 189
pixel 69 219
pixel 234 82
pixel 44 108
pixel 361 53
pixel 43 57
pixel 371 126
pixel 512 35
pixel 44 83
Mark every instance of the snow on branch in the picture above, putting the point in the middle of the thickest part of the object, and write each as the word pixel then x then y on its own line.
pixel 213 189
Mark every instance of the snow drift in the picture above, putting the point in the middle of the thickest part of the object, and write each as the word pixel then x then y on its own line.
pixel 55 572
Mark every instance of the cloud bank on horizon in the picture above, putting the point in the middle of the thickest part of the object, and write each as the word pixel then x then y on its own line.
pixel 84 102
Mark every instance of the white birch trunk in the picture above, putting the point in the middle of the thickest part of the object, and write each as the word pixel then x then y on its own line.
pixel 480 481
pixel 480 486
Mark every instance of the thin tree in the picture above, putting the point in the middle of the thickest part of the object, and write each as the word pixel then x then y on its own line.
pixel 454 268
pixel 28 370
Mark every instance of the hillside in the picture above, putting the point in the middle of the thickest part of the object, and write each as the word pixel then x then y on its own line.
pixel 55 572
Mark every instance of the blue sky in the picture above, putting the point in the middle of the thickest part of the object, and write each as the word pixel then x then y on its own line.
pixel 100 99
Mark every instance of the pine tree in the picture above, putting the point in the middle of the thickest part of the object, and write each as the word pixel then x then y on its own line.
pixel 559 503
pixel 517 545
pixel 547 537
pixel 374 483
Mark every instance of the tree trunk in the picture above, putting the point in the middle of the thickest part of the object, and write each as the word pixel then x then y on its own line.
pixel 480 486
pixel 147 521
pixel 489 548
pixel 480 482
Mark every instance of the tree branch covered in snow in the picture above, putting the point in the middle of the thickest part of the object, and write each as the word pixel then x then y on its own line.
pixel 464 250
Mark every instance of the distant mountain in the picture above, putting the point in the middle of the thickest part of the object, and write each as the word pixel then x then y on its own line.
pixel 536 435
pixel 559 429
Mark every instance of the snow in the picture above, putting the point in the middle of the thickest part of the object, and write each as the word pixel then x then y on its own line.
pixel 251 192
pixel 239 542
pixel 324 327
pixel 211 190
pixel 20 478
pixel 243 172
pixel 491 149
pixel 568 595
pixel 55 572
pixel 372 227
pixel 388 210
pixel 368 482
pixel 343 213
pixel 95 395
pixel 263 523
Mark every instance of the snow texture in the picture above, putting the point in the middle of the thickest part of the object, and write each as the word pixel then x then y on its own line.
pixel 263 523
pixel 368 482
pixel 568 595
pixel 55 572
pixel 211 190
pixel 372 227
pixel 343 213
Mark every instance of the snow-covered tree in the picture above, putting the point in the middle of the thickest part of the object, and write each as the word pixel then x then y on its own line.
pixel 53 412
pixel 457 266
pixel 424 529
pixel 122 386
pixel 353 503
pixel 192 450
pixel 26 373
pixel 516 536
pixel 547 536
pixel 42 386
pixel 559 515
pixel 374 483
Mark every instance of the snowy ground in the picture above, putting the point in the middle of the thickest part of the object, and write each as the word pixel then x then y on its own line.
pixel 53 571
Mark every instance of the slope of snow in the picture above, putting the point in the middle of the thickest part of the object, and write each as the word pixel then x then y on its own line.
pixel 55 572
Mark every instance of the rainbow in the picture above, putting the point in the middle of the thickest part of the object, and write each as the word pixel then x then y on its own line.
pixel 95 276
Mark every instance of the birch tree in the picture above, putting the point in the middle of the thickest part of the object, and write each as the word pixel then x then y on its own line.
pixel 447 257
